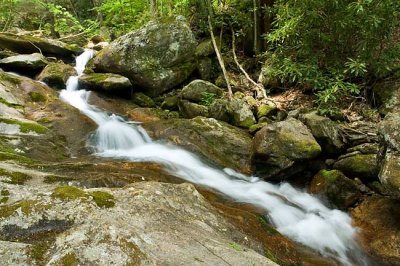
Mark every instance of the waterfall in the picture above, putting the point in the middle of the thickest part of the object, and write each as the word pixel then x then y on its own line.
pixel 294 213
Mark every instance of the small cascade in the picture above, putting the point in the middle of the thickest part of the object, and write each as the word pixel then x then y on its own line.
pixel 295 214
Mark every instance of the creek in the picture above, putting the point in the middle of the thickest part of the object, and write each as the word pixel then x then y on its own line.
pixel 295 213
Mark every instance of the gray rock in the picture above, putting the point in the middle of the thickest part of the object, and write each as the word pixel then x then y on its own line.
pixel 205 48
pixel 142 100
pixel 192 110
pixel 201 91
pixel 388 94
pixel 219 109
pixel 325 131
pixel 279 145
pixel 155 58
pixel 355 164
pixel 24 62
pixel 241 113
pixel 105 82
pixel 56 74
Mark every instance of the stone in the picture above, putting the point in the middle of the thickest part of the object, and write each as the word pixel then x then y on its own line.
pixel 205 68
pixel 192 110
pixel 219 109
pixel 201 91
pixel 205 48
pixel 143 100
pixel 56 74
pixel 379 236
pixel 333 185
pixel 208 137
pixel 29 44
pixel 279 145
pixel 325 131
pixel 170 103
pixel 388 94
pixel 105 82
pixel 363 166
pixel 20 63
pixel 241 113
pixel 266 110
pixel 155 58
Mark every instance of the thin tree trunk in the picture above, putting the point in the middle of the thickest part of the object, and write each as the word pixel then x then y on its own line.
pixel 220 59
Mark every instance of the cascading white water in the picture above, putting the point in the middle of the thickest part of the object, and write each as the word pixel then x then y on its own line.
pixel 295 214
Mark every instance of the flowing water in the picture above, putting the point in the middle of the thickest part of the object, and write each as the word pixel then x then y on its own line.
pixel 294 213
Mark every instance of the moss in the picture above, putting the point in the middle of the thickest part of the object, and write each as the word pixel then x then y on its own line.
pixel 16 178
pixel 5 156
pixel 25 127
pixel 267 226
pixel 68 193
pixel 39 250
pixel 331 175
pixel 37 96
pixel 272 256
pixel 235 246
pixel 4 196
pixel 13 105
pixel 103 199
pixel 69 260
pixel 26 207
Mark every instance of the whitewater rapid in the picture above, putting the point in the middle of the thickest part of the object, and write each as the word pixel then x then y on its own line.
pixel 294 213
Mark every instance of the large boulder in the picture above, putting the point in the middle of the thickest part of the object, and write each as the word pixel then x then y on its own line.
pixel 378 218
pixel 325 131
pixel 24 63
pixel 279 145
pixel 333 185
pixel 241 113
pixel 106 82
pixel 146 223
pixel 56 74
pixel 192 110
pixel 200 91
pixel 217 141
pixel 30 44
pixel 389 158
pixel 155 58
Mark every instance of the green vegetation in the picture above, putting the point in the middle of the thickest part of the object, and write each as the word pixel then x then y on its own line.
pixel 25 127
pixel 26 207
pixel 208 98
pixel 69 260
pixel 39 250
pixel 16 178
pixel 4 196
pixel 235 246
pixel 102 199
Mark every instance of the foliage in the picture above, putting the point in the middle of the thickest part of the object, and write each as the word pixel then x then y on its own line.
pixel 208 98
pixel 333 46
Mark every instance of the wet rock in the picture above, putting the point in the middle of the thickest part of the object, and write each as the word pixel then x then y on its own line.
pixel 122 234
pixel 155 58
pixel 24 63
pixel 336 188
pixel 378 218
pixel 170 103
pixel 192 110
pixel 219 109
pixel 325 131
pixel 143 100
pixel 279 145
pixel 211 138
pixel 201 91
pixel 30 44
pixel 6 53
pixel 241 113
pixel 106 82
pixel 56 74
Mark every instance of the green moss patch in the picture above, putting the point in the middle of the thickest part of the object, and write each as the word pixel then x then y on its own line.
pixel 4 196
pixel 26 207
pixel 37 96
pixel 16 178
pixel 6 156
pixel 102 199
pixel 39 250
pixel 50 179
pixel 25 127
pixel 69 260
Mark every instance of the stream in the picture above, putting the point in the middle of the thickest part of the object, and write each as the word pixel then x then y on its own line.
pixel 295 214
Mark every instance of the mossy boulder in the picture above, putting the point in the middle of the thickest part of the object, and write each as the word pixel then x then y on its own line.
pixel 268 109
pixel 143 100
pixel 21 126
pixel 155 58
pixel 205 68
pixel 101 198
pixel 226 145
pixel 30 44
pixel 333 185
pixel 192 110
pixel 388 95
pixel 201 91
pixel 22 63
pixel 220 110
pixel 56 74
pixel 105 82
pixel 170 103
pixel 205 48
pixel 363 166
pixel 325 131
pixel 278 146
pixel 241 113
